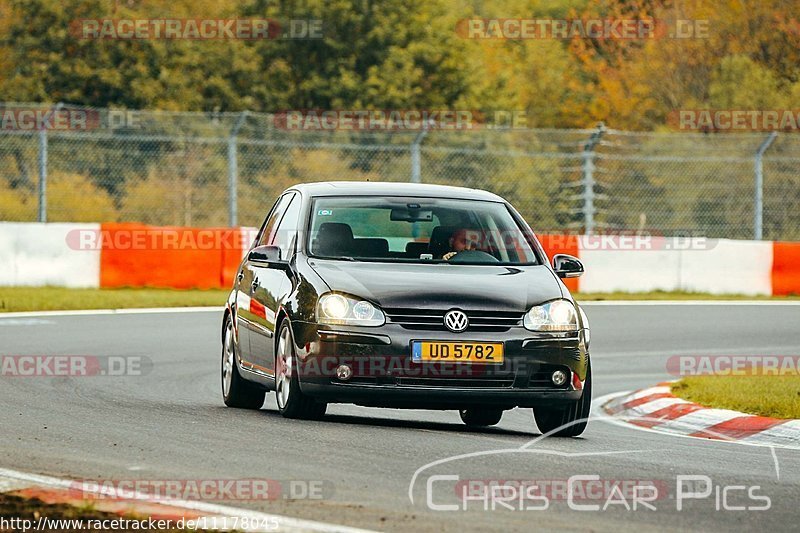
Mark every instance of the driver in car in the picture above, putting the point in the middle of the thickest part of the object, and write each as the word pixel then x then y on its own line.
pixel 458 243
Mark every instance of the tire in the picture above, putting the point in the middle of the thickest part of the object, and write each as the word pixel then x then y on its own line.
pixel 292 403
pixel 236 392
pixel 476 417
pixel 574 415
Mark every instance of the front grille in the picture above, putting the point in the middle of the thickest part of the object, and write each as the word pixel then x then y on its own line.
pixel 433 320
pixel 456 383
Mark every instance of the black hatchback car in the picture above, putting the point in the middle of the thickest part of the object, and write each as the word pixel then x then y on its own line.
pixel 406 296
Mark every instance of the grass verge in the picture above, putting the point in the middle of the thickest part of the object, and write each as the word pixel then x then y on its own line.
pixel 773 396
pixel 18 299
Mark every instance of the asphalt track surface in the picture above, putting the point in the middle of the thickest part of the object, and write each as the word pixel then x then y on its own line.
pixel 171 424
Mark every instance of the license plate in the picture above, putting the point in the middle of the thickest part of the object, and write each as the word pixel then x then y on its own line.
pixel 457 352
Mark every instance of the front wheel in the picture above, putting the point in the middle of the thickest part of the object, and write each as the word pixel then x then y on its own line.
pixel 480 417
pixel 292 403
pixel 236 392
pixel 571 418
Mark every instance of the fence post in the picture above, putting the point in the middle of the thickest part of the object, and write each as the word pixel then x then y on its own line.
pixel 43 164
pixel 758 202
pixel 589 155
pixel 233 171
pixel 42 175
pixel 416 171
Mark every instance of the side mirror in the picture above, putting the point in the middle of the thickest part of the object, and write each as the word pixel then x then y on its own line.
pixel 269 255
pixel 567 266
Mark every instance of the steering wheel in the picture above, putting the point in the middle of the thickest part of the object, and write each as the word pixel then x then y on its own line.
pixel 473 256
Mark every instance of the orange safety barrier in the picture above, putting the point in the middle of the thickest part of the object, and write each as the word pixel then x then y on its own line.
pixel 785 268
pixel 138 255
pixel 561 244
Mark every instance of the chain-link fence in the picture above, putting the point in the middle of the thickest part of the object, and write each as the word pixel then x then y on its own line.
pixel 218 169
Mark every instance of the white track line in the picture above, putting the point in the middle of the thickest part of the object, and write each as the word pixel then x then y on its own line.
pixel 142 311
pixel 283 523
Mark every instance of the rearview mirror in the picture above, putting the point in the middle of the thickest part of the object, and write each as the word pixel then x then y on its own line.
pixel 567 266
pixel 269 255
pixel 411 215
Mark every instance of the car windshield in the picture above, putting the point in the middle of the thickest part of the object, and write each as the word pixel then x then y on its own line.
pixel 417 230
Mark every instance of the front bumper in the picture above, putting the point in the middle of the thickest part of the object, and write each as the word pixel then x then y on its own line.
pixel 383 374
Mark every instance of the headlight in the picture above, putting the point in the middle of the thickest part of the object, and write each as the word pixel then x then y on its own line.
pixel 337 309
pixel 558 315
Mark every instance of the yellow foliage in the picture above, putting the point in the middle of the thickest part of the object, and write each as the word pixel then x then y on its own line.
pixel 74 198
pixel 257 195
pixel 17 205
pixel 166 199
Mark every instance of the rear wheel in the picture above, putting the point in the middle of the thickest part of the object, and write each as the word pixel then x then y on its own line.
pixel 292 403
pixel 475 417
pixel 571 418
pixel 236 392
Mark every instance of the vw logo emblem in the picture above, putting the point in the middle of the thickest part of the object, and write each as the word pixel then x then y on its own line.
pixel 456 321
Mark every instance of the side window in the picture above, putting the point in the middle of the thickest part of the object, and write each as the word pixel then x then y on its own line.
pixel 287 228
pixel 268 231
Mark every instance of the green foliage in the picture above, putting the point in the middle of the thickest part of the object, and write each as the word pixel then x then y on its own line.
pixel 388 54
pixel 741 83
pixel 400 54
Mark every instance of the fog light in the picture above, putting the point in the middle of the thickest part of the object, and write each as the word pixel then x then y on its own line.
pixel 559 377
pixel 344 372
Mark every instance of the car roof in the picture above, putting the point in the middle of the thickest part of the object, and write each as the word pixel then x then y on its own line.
pixel 377 188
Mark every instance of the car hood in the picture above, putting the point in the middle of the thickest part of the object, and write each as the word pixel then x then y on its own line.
pixel 500 288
